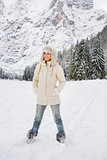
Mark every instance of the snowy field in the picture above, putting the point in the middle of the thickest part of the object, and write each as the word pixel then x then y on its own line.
pixel 84 114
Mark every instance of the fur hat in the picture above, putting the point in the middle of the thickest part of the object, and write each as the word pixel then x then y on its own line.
pixel 53 53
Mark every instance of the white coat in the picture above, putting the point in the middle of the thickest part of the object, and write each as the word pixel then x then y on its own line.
pixel 45 79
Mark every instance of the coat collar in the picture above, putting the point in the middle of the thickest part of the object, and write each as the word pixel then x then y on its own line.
pixel 46 64
pixel 49 63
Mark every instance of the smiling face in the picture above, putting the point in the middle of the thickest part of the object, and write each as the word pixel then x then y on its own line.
pixel 46 56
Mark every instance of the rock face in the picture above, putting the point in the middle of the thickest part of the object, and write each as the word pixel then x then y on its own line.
pixel 83 4
pixel 63 22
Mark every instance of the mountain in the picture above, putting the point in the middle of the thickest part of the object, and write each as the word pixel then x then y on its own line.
pixel 83 4
pixel 24 31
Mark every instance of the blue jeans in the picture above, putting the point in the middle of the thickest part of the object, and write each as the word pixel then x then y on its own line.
pixel 56 114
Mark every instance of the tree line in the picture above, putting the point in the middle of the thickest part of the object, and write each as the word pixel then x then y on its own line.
pixel 88 61
pixel 84 61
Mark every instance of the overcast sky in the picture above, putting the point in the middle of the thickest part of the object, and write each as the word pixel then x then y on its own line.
pixel 100 4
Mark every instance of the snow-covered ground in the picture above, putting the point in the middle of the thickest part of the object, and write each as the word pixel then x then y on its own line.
pixel 84 114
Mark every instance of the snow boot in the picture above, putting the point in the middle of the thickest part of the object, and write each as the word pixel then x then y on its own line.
pixel 60 137
pixel 31 136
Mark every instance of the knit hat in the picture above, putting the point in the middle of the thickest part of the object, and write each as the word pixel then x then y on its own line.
pixel 53 53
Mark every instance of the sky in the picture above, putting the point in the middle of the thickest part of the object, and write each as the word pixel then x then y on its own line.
pixel 100 4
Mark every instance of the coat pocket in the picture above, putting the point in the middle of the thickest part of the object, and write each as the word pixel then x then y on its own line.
pixel 56 91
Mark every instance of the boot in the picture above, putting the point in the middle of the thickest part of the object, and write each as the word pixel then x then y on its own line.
pixel 31 136
pixel 60 137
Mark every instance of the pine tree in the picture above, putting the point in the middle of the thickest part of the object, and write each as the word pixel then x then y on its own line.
pixel 80 65
pixel 29 72
pixel 102 59
pixel 87 59
pixel 97 69
pixel 74 62
pixel 66 62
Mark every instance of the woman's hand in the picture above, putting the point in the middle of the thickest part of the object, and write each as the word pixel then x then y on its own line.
pixel 35 90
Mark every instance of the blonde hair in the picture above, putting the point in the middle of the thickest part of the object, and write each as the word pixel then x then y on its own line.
pixel 58 62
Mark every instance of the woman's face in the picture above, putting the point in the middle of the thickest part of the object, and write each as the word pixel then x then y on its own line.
pixel 46 56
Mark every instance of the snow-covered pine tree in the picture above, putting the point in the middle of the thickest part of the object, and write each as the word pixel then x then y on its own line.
pixel 97 68
pixel 81 72
pixel 29 72
pixel 74 62
pixel 80 67
pixel 87 58
pixel 66 62
pixel 27 75
pixel 102 59
pixel 79 61
pixel 1 76
pixel 90 44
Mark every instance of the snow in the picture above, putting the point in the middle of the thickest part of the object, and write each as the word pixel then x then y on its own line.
pixel 34 6
pixel 84 114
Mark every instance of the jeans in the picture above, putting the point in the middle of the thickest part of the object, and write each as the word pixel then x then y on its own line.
pixel 56 114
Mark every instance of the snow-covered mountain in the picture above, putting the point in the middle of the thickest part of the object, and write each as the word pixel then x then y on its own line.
pixel 25 30
pixel 83 4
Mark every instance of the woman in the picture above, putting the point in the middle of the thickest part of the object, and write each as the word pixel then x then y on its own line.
pixel 46 74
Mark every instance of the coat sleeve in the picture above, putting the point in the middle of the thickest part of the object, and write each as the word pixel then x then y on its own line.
pixel 36 79
pixel 60 78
